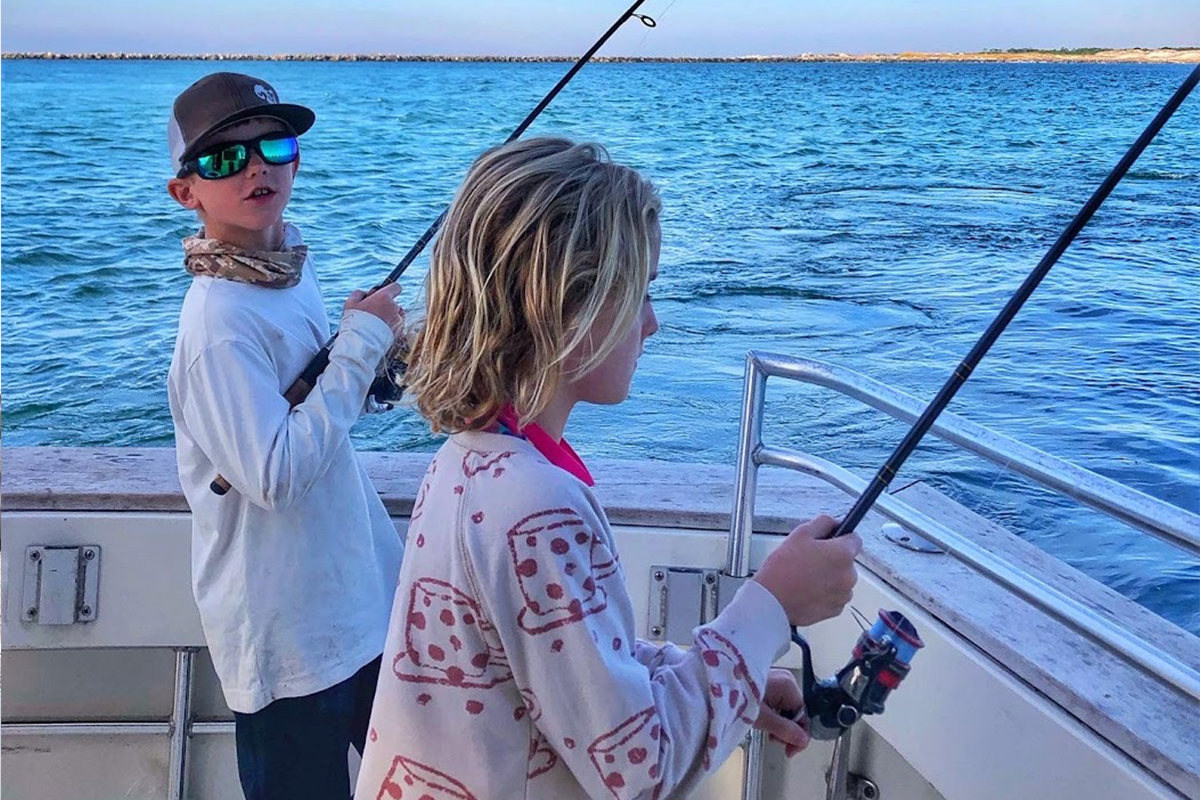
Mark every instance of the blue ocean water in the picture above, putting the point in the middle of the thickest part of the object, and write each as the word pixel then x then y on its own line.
pixel 872 215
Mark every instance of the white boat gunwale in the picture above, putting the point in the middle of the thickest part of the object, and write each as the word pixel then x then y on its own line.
pixel 1154 733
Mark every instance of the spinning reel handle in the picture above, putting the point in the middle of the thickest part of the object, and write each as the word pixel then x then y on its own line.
pixel 880 661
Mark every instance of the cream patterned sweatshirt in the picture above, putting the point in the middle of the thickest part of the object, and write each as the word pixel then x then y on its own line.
pixel 511 669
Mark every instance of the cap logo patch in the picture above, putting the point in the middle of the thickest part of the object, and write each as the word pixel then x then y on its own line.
pixel 266 93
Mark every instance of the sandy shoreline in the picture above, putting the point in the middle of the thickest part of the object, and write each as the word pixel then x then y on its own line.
pixel 1081 55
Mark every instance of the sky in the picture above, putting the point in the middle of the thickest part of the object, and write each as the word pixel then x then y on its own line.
pixel 567 27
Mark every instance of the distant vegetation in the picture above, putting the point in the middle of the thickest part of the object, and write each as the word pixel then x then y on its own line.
pixel 1062 51
pixel 1082 51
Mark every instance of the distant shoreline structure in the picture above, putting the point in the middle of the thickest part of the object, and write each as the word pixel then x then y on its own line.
pixel 1163 55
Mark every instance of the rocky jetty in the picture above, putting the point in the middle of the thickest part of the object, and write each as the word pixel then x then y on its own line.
pixel 1189 55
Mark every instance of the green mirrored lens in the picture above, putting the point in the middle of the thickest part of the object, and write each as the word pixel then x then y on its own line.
pixel 279 151
pixel 222 163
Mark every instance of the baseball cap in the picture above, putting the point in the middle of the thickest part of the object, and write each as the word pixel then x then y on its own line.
pixel 221 99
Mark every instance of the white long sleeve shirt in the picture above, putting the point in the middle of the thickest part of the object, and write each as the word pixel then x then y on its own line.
pixel 294 568
pixel 511 668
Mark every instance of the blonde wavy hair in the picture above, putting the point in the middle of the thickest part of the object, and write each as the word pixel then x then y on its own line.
pixel 542 235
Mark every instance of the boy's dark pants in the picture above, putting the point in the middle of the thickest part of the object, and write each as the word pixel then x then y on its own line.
pixel 297 747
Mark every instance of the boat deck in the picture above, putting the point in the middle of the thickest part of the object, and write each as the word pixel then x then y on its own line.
pixel 1151 723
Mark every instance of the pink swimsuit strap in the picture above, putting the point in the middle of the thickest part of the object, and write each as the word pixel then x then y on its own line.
pixel 558 453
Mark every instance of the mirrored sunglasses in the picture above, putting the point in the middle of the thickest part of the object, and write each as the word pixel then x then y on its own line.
pixel 230 158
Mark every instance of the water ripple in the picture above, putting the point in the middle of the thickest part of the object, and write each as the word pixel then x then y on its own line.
pixel 876 216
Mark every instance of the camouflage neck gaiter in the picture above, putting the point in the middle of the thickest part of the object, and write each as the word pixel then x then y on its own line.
pixel 273 269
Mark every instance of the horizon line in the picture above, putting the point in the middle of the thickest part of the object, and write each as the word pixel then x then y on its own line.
pixel 1187 54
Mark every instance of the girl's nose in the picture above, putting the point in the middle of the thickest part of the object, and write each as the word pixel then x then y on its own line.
pixel 650 322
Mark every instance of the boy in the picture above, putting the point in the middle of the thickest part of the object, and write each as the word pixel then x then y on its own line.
pixel 295 567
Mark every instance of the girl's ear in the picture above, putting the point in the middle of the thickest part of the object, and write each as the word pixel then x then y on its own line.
pixel 181 192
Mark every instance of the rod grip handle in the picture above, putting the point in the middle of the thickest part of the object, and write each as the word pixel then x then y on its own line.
pixel 300 389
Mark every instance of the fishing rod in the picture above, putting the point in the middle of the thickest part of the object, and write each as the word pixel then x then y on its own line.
pixel 881 657
pixel 963 371
pixel 303 385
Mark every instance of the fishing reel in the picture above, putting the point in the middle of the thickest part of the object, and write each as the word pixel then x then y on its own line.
pixel 387 388
pixel 879 662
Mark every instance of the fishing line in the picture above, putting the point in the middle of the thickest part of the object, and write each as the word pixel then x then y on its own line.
pixel 652 24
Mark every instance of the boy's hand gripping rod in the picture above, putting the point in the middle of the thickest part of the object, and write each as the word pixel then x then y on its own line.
pixel 304 384
pixel 882 655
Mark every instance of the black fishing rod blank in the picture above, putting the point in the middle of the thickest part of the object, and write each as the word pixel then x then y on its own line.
pixel 892 466
pixel 416 249
pixel 881 658
pixel 303 385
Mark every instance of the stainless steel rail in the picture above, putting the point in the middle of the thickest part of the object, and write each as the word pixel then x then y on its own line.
pixel 181 719
pixel 86 729
pixel 1166 521
pixel 1061 606
pixel 179 729
pixel 737 562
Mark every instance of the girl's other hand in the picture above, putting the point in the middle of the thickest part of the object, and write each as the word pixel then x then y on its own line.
pixel 782 716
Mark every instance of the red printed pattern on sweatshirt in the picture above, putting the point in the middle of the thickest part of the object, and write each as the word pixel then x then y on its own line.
pixel 419 506
pixel 629 748
pixel 559 564
pixel 447 641
pixel 531 704
pixel 715 649
pixel 542 757
pixel 408 778
pixel 475 462
pixel 656 660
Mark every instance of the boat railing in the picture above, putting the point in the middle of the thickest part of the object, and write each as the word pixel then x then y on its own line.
pixel 1164 520
pixel 1168 522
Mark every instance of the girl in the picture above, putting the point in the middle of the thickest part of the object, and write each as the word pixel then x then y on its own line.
pixel 511 668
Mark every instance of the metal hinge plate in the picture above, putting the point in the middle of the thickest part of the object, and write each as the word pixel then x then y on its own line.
pixel 61 584
pixel 682 598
